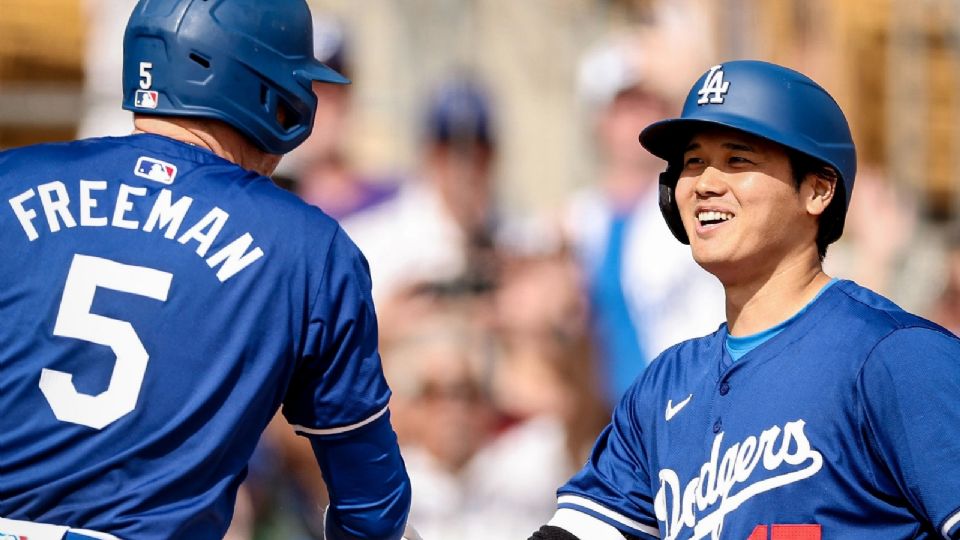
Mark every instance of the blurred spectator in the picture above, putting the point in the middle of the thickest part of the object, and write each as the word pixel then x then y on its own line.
pixel 436 368
pixel 946 309
pixel 463 363
pixel 880 221
pixel 546 373
pixel 320 170
pixel 439 228
pixel 103 63
pixel 545 378
pixel 885 246
pixel 646 291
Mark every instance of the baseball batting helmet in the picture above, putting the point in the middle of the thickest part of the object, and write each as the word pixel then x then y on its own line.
pixel 765 100
pixel 248 63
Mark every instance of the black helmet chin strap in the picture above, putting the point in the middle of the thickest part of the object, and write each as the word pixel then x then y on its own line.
pixel 668 202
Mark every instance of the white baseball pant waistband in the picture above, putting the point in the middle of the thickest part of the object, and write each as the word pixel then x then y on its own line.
pixel 15 529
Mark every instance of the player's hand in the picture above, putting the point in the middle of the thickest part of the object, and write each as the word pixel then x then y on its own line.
pixel 410 533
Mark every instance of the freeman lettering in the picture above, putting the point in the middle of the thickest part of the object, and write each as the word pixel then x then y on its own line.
pixel 165 214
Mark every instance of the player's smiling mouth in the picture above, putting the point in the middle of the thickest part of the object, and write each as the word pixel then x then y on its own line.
pixel 707 218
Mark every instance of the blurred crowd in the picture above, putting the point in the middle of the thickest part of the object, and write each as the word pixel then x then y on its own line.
pixel 507 339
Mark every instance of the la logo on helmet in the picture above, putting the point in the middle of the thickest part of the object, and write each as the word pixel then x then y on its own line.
pixel 714 87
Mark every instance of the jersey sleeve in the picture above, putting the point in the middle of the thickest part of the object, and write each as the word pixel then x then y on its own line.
pixel 339 384
pixel 367 482
pixel 614 485
pixel 910 388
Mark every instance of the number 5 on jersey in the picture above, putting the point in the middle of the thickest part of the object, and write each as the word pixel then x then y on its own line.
pixel 74 320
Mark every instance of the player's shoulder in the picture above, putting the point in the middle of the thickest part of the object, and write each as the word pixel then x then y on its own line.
pixel 56 161
pixel 893 339
pixel 206 173
pixel 906 351
pixel 880 314
pixel 288 210
pixel 694 348
pixel 36 154
pixel 689 358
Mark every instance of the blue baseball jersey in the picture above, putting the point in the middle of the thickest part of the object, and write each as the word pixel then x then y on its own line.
pixel 842 426
pixel 159 304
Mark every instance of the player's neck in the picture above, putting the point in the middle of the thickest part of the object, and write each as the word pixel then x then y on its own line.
pixel 757 305
pixel 211 135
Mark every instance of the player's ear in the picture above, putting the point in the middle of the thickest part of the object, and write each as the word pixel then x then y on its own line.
pixel 820 188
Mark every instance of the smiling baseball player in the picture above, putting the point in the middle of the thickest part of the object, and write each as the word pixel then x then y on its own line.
pixel 819 409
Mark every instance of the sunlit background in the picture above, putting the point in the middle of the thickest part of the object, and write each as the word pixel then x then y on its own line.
pixel 894 66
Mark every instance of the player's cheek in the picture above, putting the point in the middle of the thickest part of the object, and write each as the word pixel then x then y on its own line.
pixel 686 200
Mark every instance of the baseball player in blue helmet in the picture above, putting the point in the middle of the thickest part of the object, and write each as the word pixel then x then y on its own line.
pixel 161 298
pixel 819 409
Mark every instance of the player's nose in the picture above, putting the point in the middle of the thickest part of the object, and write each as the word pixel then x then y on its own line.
pixel 710 183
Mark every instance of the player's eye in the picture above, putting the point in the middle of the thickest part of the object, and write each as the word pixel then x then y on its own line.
pixel 740 160
pixel 692 162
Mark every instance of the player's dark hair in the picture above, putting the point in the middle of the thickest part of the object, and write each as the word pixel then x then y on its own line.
pixel 803 165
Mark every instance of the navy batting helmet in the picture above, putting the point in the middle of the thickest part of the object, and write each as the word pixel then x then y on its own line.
pixel 765 100
pixel 248 63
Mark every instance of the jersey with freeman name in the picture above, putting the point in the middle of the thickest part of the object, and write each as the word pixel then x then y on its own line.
pixel 159 304
pixel 843 426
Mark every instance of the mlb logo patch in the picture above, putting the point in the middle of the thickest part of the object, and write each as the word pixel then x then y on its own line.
pixel 156 170
pixel 146 99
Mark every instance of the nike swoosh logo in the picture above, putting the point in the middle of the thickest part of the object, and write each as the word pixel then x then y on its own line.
pixel 672 409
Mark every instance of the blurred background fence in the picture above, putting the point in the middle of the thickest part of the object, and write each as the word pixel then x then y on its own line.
pixel 894 65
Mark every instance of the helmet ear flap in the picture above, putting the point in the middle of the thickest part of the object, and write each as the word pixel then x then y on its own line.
pixel 668 202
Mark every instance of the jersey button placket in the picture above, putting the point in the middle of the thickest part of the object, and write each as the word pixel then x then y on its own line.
pixel 724 390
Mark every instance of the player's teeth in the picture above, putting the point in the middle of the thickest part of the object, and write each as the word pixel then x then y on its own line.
pixel 714 216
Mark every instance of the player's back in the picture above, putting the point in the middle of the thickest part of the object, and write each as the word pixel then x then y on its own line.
pixel 156 301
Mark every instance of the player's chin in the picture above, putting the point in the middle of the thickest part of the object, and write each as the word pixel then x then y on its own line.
pixel 713 256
